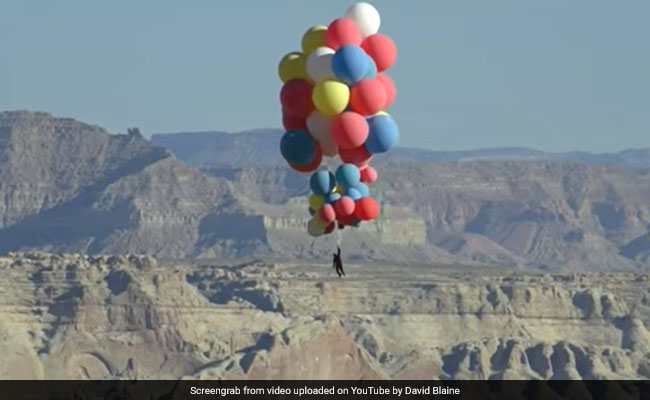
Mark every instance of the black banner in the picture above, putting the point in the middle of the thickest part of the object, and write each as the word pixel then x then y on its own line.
pixel 303 390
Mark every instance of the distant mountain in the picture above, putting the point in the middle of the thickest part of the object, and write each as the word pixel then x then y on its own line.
pixel 71 187
pixel 220 149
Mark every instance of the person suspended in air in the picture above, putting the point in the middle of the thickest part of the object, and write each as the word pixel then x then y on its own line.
pixel 337 264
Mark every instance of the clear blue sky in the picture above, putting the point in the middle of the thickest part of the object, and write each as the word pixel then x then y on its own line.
pixel 550 74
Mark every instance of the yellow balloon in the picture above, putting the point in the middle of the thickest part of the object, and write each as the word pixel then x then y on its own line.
pixel 330 97
pixel 316 201
pixel 293 66
pixel 318 222
pixel 384 113
pixel 338 189
pixel 313 38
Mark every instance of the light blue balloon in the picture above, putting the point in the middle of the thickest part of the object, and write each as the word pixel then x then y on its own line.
pixel 383 134
pixel 353 193
pixel 298 147
pixel 350 64
pixel 332 197
pixel 372 68
pixel 348 175
pixel 322 182
pixel 363 189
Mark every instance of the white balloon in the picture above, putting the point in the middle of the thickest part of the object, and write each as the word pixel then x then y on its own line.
pixel 320 128
pixel 366 16
pixel 319 64
pixel 313 229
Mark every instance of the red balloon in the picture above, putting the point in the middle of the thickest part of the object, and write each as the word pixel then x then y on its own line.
pixel 389 87
pixel 313 166
pixel 368 96
pixel 344 207
pixel 367 209
pixel 382 49
pixel 349 130
pixel 368 175
pixel 341 32
pixel 347 220
pixel 327 213
pixel 358 156
pixel 290 121
pixel 329 228
pixel 295 97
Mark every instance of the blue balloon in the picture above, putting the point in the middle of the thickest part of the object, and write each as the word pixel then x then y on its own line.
pixel 350 64
pixel 348 175
pixel 353 193
pixel 372 68
pixel 322 182
pixel 363 189
pixel 383 134
pixel 298 147
pixel 332 197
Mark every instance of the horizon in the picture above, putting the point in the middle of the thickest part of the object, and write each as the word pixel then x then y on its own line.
pixel 541 76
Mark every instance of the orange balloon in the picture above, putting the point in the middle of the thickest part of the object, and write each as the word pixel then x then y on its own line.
pixel 341 32
pixel 349 130
pixel 368 96
pixel 367 209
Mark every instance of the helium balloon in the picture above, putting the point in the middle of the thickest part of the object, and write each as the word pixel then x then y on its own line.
pixel 382 49
pixel 312 166
pixel 366 209
pixel 358 156
pixel 332 197
pixel 363 189
pixel 329 228
pixel 341 32
pixel 316 201
pixel 298 147
pixel 291 122
pixel 331 97
pixel 389 87
pixel 322 224
pixel 322 182
pixel 311 211
pixel 320 128
pixel 350 64
pixel 383 136
pixel 344 206
pixel 346 219
pixel 349 130
pixel 319 64
pixel 295 97
pixel 338 189
pixel 353 193
pixel 372 69
pixel 366 17
pixel 368 175
pixel 327 213
pixel 347 175
pixel 368 96
pixel 313 38
pixel 292 66
pixel 384 113
pixel 314 229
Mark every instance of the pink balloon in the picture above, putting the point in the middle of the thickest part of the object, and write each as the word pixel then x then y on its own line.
pixel 368 96
pixel 344 207
pixel 327 213
pixel 382 49
pixel 389 87
pixel 349 130
pixel 368 175
pixel 341 32
pixel 295 97
pixel 358 156
pixel 367 209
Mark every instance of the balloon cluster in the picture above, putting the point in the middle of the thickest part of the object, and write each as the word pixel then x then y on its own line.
pixel 334 98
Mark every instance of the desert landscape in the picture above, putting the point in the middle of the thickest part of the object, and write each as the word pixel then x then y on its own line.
pixel 185 257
